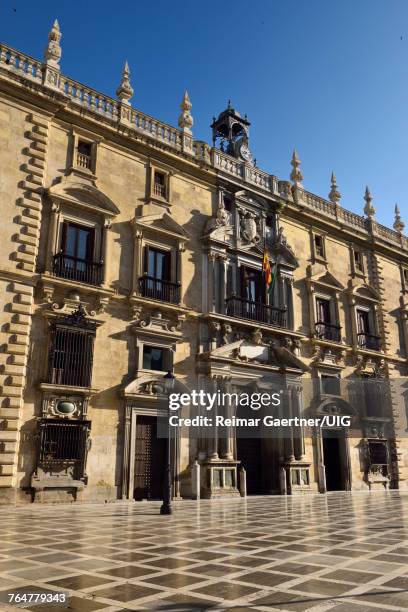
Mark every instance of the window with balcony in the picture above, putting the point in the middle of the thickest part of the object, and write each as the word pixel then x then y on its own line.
pixel 319 246
pixel 250 303
pixel 358 261
pixel 326 324
pixel 71 350
pixel 156 282
pixel 366 330
pixel 159 184
pixel 84 155
pixel 75 260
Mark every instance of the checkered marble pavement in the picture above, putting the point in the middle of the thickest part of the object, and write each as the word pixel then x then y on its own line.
pixel 345 552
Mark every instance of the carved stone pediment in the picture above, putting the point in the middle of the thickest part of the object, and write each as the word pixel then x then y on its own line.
pixel 325 280
pixel 83 194
pixel 365 292
pixel 163 223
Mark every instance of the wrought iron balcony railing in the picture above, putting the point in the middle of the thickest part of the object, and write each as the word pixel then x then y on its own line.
pixel 327 331
pixel 368 341
pixel 159 289
pixel 81 270
pixel 255 311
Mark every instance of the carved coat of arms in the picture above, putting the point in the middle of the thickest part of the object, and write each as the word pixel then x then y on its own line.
pixel 249 229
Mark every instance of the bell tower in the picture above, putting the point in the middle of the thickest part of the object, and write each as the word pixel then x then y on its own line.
pixel 231 134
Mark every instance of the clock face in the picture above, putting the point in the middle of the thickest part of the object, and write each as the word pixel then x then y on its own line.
pixel 245 153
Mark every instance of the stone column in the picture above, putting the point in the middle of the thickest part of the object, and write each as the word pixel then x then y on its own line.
pixel 105 250
pixel 347 461
pixel 211 281
pixel 223 283
pixel 213 441
pixel 195 480
pixel 52 245
pixel 137 258
pixel 299 440
pixel 227 442
pixel 126 488
pixel 288 437
pixel 321 473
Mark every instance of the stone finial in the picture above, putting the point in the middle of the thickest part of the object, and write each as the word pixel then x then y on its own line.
pixel 52 53
pixel 334 195
pixel 296 174
pixel 398 223
pixel 125 91
pixel 369 209
pixel 186 120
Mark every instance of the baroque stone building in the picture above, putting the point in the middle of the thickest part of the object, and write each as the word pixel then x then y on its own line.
pixel 128 248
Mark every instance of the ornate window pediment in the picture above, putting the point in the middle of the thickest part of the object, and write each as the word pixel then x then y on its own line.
pixel 366 292
pixel 83 194
pixel 327 280
pixel 163 223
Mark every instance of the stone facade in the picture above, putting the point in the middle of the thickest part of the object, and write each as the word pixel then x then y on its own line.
pixel 132 249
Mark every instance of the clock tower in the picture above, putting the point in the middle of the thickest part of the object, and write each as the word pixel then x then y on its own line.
pixel 231 134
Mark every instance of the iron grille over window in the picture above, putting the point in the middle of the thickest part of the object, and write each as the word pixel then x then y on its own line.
pixel 63 443
pixel 71 353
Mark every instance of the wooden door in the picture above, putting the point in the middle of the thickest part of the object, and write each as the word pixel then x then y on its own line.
pixel 149 459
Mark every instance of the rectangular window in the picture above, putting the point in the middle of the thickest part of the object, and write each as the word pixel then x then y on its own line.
pixel 323 310
pixel 156 358
pixel 358 261
pixel 227 202
pixel 330 385
pixel 84 154
pixel 75 260
pixel 405 275
pixel 71 355
pixel 363 322
pixel 252 286
pixel 319 246
pixel 63 443
pixel 159 184
pixel 377 452
pixel 157 263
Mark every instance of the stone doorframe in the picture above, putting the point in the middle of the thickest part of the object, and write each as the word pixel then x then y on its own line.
pixel 133 409
pixel 321 473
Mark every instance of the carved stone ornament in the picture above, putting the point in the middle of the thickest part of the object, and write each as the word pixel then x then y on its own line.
pixel 220 225
pixel 375 368
pixel 256 336
pixel 52 53
pixel 249 228
pixel 328 356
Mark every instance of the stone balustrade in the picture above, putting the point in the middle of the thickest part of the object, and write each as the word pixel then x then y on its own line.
pixel 26 67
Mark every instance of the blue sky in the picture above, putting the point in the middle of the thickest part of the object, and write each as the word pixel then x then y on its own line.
pixel 329 77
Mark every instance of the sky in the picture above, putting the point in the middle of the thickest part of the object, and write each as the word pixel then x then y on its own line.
pixel 329 77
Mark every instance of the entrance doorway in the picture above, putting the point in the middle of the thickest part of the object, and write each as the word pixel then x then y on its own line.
pixel 335 461
pixel 250 455
pixel 149 459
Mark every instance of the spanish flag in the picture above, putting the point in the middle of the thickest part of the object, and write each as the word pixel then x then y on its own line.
pixel 267 272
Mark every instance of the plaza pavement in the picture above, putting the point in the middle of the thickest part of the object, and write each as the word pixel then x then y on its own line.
pixel 344 552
